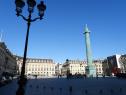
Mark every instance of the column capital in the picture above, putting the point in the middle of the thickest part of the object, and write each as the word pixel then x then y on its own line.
pixel 86 29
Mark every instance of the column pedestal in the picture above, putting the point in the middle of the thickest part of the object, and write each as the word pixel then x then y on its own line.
pixel 90 71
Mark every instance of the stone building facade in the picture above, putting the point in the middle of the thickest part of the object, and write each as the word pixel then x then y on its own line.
pixel 74 67
pixel 114 64
pixel 39 67
pixel 122 61
pixel 78 67
pixel 99 66
pixel 8 64
pixel 58 69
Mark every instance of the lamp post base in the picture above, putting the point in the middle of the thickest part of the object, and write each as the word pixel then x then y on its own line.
pixel 21 82
pixel 90 71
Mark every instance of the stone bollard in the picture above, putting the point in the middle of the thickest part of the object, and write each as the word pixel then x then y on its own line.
pixel 82 91
pixel 70 90
pixel 60 91
pixel 37 86
pixel 120 90
pixel 30 86
pixel 44 89
pixel 101 92
pixel 86 92
pixel 52 89
pixel 111 91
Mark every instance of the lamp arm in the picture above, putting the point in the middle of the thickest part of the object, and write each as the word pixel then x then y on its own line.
pixel 23 17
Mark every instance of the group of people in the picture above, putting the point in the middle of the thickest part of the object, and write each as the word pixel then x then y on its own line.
pixel 121 75
pixel 70 76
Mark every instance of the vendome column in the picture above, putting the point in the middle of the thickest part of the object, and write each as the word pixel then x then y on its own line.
pixel 90 69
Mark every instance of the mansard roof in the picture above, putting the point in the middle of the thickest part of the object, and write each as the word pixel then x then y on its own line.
pixel 35 60
pixel 4 47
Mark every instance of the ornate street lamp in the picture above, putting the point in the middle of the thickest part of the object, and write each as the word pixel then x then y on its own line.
pixel 19 6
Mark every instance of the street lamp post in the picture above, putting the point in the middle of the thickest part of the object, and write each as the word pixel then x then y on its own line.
pixel 19 6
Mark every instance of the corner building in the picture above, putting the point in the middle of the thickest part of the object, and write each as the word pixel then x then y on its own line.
pixel 74 67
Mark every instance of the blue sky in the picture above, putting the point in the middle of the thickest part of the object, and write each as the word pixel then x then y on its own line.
pixel 60 34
